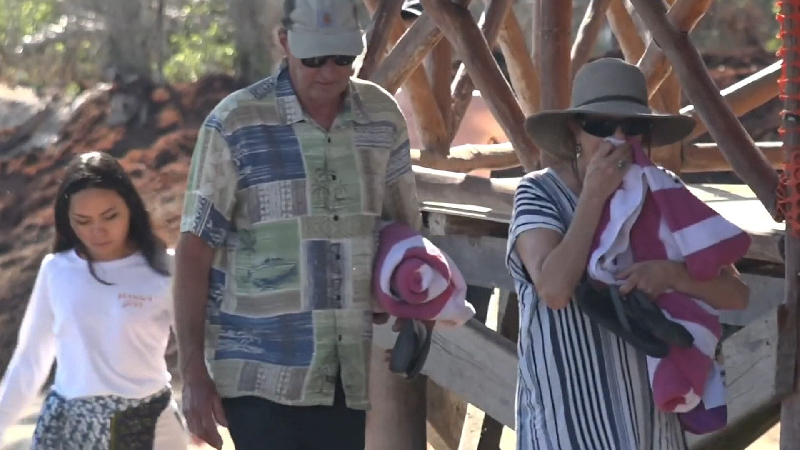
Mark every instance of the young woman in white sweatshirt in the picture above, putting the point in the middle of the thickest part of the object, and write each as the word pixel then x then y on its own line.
pixel 101 309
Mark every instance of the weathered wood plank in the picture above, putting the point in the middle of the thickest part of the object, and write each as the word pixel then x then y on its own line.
pixel 755 384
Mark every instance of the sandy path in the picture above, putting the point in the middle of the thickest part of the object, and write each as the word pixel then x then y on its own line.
pixel 18 437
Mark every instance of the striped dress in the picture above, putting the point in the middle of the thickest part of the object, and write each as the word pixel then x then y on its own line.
pixel 579 387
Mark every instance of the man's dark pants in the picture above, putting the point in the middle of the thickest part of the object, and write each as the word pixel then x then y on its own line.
pixel 259 424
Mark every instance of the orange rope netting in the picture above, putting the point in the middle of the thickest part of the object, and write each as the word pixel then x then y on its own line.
pixel 788 194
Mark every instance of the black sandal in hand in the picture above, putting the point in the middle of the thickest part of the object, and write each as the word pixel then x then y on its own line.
pixel 633 317
pixel 410 349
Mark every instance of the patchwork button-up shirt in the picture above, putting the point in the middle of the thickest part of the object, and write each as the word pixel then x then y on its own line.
pixel 293 212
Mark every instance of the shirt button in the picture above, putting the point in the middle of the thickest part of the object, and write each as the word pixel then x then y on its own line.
pixel 336 218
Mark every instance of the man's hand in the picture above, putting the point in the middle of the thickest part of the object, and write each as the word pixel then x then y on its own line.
pixel 202 407
pixel 651 277
pixel 398 325
pixel 380 318
pixel 400 322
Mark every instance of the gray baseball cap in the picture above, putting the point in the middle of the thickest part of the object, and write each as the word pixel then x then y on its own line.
pixel 323 27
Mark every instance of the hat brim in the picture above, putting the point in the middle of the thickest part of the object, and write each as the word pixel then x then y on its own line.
pixel 308 44
pixel 548 128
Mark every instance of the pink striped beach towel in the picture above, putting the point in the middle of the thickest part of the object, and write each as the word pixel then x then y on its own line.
pixel 653 216
pixel 414 279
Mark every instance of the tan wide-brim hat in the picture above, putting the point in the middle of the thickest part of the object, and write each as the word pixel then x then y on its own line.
pixel 607 87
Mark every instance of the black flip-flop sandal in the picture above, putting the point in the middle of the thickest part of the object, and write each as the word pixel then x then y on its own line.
pixel 641 308
pixel 411 349
pixel 607 308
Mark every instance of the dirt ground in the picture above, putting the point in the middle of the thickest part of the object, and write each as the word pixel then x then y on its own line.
pixel 18 437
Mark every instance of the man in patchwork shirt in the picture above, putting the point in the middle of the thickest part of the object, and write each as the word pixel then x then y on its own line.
pixel 288 184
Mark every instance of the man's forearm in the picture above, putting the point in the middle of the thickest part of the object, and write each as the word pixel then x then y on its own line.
pixel 190 293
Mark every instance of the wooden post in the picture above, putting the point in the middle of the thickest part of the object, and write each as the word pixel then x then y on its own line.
pixel 397 418
pixel 790 328
pixel 553 19
pixel 456 22
pixel 593 20
pixel 554 22
pixel 736 144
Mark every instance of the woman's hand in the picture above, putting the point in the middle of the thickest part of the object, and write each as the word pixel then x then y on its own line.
pixel 605 170
pixel 651 277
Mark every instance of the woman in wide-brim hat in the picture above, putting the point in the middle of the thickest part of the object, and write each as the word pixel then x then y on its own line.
pixel 581 386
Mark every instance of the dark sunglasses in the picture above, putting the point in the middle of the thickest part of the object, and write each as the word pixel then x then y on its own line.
pixel 319 61
pixel 606 127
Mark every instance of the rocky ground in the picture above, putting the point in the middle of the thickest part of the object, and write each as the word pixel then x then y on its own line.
pixel 155 147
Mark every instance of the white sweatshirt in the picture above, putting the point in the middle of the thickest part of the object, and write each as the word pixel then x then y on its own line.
pixel 106 339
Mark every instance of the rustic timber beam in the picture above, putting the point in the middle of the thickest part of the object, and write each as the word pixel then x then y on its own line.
pixel 706 157
pixel 408 54
pixel 384 18
pixel 699 157
pixel 456 22
pixel 684 15
pixel 469 157
pixel 621 22
pixel 490 22
pixel 592 22
pixel 738 147
pixel 523 74
pixel 428 118
pixel 439 67
pixel 744 96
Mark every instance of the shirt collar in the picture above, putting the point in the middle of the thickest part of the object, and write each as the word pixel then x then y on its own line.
pixel 291 111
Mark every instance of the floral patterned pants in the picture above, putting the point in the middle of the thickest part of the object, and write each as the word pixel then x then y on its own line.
pixel 108 423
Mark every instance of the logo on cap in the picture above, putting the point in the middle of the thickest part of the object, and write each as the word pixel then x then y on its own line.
pixel 324 19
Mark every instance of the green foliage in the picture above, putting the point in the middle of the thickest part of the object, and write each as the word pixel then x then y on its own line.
pixel 201 45
pixel 22 18
pixel 19 21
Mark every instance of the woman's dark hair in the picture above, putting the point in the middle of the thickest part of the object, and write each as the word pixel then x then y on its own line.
pixel 100 170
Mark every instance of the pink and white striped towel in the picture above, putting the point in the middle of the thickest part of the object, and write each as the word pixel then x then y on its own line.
pixel 653 216
pixel 414 279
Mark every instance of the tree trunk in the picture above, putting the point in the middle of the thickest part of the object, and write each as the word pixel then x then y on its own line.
pixel 254 37
pixel 129 42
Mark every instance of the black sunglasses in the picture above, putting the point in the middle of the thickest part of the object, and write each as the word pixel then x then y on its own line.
pixel 319 61
pixel 603 128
